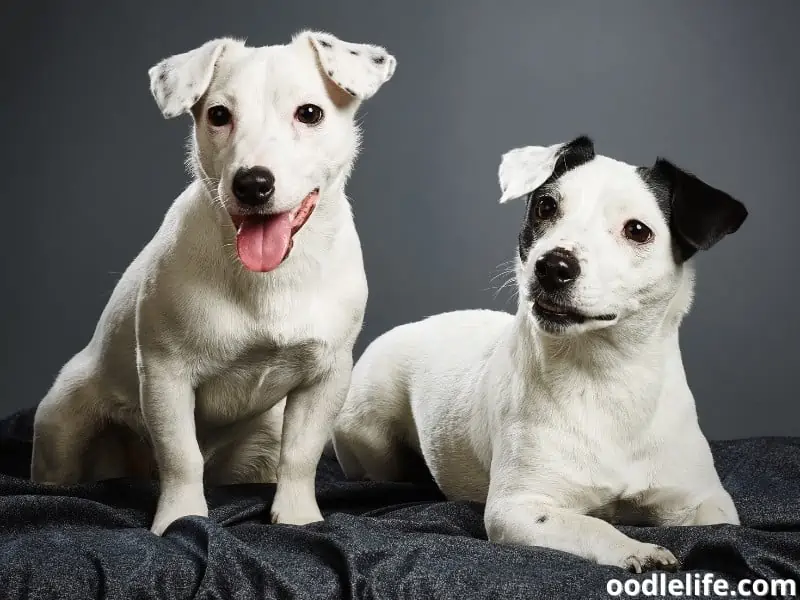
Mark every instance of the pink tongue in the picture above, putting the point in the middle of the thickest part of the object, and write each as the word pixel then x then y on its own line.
pixel 262 242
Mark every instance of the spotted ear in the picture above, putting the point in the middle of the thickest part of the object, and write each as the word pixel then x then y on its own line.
pixel 698 215
pixel 179 81
pixel 522 170
pixel 357 69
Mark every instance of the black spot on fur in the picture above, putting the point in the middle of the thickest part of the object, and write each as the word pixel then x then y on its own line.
pixel 698 215
pixel 325 44
pixel 330 73
pixel 542 519
pixel 378 60
pixel 354 52
pixel 572 155
pixel 162 76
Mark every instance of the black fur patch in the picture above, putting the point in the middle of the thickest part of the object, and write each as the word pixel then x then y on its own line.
pixel 354 52
pixel 572 155
pixel 542 519
pixel 698 215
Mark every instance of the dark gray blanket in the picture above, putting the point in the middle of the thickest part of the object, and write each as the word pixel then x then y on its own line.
pixel 377 541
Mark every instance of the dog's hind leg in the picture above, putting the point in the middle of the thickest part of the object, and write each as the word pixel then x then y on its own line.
pixel 368 450
pixel 246 452
pixel 717 509
pixel 66 420
pixel 367 432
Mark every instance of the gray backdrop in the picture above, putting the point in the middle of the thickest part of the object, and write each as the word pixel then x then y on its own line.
pixel 89 166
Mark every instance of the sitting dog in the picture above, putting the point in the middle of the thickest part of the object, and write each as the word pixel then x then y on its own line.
pixel 575 411
pixel 249 297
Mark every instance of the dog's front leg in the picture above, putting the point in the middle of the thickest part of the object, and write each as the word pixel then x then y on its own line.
pixel 536 523
pixel 518 512
pixel 167 400
pixel 307 423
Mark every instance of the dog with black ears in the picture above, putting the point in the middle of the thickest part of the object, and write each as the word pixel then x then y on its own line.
pixel 573 413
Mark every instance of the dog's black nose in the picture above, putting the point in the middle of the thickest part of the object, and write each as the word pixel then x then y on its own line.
pixel 556 269
pixel 253 186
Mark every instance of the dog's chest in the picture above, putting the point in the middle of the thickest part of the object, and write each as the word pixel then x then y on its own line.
pixel 250 358
pixel 255 380
pixel 599 443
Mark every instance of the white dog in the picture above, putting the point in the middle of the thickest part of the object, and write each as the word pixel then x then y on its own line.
pixel 243 298
pixel 576 409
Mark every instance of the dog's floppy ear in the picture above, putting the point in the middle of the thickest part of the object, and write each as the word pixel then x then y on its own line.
pixel 698 215
pixel 357 69
pixel 179 81
pixel 522 170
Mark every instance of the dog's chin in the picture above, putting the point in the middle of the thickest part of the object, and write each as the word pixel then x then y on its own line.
pixel 557 319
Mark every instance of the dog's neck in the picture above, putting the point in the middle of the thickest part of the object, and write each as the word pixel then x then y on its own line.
pixel 637 344
pixel 619 369
pixel 597 351
pixel 643 338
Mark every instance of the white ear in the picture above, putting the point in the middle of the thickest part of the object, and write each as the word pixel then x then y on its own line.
pixel 522 170
pixel 179 81
pixel 358 69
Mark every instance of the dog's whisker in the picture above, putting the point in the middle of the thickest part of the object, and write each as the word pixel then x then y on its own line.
pixel 502 274
pixel 505 284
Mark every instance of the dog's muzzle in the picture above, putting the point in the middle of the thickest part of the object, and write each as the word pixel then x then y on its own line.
pixel 254 186
pixel 556 270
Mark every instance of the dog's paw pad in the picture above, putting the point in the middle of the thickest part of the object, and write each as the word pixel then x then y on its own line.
pixel 651 558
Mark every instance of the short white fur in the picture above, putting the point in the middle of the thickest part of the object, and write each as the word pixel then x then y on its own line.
pixel 560 434
pixel 218 372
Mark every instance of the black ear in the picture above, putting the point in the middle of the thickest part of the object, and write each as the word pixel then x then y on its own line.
pixel 698 215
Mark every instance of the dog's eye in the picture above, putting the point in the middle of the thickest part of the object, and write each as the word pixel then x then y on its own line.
pixel 546 207
pixel 310 114
pixel 219 116
pixel 638 232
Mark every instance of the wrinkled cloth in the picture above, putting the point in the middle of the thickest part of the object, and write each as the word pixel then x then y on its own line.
pixel 378 540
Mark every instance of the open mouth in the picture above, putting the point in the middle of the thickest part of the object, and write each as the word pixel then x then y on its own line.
pixel 263 242
pixel 562 314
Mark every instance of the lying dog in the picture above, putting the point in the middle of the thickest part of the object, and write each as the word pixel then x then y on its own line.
pixel 575 411
pixel 252 291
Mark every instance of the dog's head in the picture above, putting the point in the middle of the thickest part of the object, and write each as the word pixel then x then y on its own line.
pixel 274 128
pixel 603 241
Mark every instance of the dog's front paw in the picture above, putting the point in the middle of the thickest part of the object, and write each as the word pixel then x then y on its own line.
pixel 169 511
pixel 294 510
pixel 50 476
pixel 296 518
pixel 648 557
pixel 45 480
